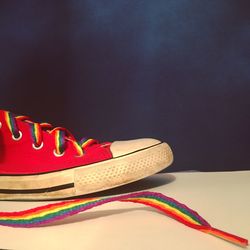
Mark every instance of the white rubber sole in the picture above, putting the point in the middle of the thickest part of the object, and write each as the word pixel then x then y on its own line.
pixel 87 179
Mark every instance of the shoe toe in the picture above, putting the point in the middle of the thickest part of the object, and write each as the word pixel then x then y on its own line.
pixel 120 148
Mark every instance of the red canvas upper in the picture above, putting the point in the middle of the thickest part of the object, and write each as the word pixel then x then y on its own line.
pixel 19 157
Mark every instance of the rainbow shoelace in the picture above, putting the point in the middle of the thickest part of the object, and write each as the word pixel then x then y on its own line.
pixel 61 135
pixel 44 215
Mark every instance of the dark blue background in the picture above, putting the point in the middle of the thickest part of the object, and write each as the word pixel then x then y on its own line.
pixel 176 70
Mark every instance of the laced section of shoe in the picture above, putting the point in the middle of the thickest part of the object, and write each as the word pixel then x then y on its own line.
pixel 61 135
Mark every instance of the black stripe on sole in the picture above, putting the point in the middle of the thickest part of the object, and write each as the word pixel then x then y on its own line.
pixel 37 191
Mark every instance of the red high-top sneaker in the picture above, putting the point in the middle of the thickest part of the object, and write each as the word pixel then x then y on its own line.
pixel 38 161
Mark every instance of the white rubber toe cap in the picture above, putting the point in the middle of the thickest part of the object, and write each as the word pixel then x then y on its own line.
pixel 120 148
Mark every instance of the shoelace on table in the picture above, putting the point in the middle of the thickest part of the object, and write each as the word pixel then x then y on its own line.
pixel 61 134
pixel 44 215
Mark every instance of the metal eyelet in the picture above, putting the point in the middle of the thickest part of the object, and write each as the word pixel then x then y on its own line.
pixel 37 147
pixel 56 154
pixel 1 125
pixel 19 137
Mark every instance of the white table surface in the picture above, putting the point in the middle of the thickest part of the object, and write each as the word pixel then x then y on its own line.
pixel 222 198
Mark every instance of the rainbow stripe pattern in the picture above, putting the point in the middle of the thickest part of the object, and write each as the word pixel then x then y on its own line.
pixel 59 141
pixel 61 135
pixel 36 134
pixel 84 142
pixel 11 123
pixel 43 215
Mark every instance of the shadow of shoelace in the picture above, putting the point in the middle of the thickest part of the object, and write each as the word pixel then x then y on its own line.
pixel 140 185
pixel 144 184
